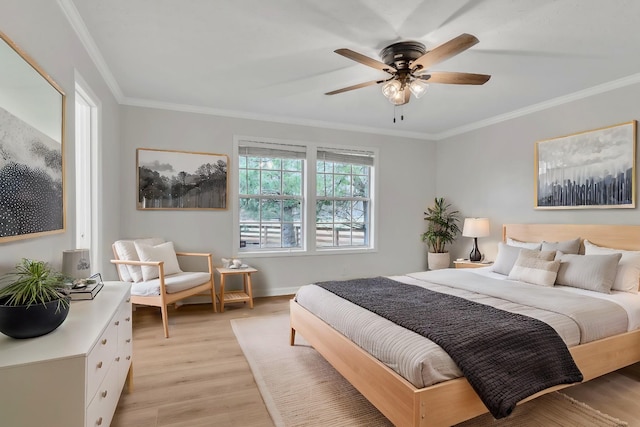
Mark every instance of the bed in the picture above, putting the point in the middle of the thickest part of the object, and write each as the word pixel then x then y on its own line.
pixel 406 404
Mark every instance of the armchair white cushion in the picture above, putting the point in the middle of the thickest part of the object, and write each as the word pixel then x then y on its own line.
pixel 162 252
pixel 126 250
pixel 173 283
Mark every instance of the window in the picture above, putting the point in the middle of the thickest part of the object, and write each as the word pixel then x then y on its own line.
pixel 270 197
pixel 279 211
pixel 342 199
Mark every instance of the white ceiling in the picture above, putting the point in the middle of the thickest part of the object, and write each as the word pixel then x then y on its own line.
pixel 274 60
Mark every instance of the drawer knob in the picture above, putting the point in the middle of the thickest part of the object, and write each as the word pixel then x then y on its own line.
pixel 128 340
pixel 117 322
pixel 128 319
pixel 104 341
pixel 99 422
pixel 128 299
pixel 104 393
pixel 99 365
pixel 118 359
pixel 128 357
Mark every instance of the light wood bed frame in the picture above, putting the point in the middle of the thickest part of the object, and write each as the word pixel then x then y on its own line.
pixel 454 401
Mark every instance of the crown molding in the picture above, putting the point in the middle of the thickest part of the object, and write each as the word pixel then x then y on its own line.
pixel 137 102
pixel 78 25
pixel 575 96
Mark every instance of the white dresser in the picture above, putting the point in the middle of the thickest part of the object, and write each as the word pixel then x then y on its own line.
pixel 73 376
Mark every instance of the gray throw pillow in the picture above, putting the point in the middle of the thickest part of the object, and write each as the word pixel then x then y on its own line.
pixel 566 246
pixel 507 256
pixel 591 272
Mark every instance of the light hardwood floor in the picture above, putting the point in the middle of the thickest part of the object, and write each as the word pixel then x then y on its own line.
pixel 199 376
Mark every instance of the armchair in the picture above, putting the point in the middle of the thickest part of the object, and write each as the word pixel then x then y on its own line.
pixel 157 279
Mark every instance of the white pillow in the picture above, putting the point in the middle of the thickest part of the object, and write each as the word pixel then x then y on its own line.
pixel 566 246
pixel 126 251
pixel 507 256
pixel 591 272
pixel 162 252
pixel 531 268
pixel 628 274
pixel 527 245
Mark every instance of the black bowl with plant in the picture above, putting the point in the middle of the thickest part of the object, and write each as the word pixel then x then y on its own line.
pixel 33 300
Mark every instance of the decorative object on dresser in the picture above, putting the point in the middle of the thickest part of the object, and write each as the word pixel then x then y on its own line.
pixel 77 373
pixel 31 171
pixel 442 229
pixel 76 263
pixel 475 227
pixel 34 301
pixel 591 169
pixel 82 289
pixel 151 265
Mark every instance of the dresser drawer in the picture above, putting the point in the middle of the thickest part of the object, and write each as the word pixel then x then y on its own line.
pixel 100 358
pixel 103 404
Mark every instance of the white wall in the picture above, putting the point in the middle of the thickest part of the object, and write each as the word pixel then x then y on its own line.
pixel 40 28
pixel 490 172
pixel 406 185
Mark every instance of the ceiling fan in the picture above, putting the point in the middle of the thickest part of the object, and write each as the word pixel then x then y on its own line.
pixel 408 63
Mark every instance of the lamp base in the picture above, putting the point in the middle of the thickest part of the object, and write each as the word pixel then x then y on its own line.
pixel 475 254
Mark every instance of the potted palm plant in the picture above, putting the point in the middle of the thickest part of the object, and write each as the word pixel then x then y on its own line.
pixel 442 229
pixel 33 300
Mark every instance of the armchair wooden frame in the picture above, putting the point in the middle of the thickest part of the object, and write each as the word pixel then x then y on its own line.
pixel 164 299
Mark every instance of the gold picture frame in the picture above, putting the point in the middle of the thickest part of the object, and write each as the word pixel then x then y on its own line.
pixel 32 116
pixel 181 180
pixel 586 170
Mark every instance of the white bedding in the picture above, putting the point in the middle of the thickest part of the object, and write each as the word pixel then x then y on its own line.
pixel 416 358
pixel 629 301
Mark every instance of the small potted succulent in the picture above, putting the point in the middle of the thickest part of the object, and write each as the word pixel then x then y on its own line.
pixel 33 300
pixel 441 230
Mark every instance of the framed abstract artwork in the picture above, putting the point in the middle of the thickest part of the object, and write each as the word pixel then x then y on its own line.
pixel 32 200
pixel 592 169
pixel 169 179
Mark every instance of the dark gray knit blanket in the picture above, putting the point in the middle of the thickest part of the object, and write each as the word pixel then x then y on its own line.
pixel 506 357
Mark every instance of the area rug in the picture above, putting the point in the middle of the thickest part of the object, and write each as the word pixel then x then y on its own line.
pixel 300 388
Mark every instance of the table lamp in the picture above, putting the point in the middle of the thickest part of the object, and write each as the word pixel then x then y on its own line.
pixel 475 227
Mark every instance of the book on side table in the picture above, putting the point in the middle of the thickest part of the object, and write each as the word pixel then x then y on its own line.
pixel 87 290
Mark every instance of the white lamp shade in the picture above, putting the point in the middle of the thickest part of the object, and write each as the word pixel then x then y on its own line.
pixel 475 227
pixel 76 263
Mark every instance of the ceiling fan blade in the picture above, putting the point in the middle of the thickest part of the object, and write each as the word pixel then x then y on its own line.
pixel 358 86
pixel 358 57
pixel 453 78
pixel 444 51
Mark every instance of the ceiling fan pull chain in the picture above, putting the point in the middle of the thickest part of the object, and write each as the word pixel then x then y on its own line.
pixel 394 113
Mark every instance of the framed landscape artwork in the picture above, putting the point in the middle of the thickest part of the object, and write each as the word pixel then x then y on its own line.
pixel 169 179
pixel 32 202
pixel 592 169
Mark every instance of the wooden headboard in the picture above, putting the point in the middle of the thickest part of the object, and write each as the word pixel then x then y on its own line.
pixel 611 236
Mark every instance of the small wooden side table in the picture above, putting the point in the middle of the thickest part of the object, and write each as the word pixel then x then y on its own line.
pixel 236 296
pixel 471 264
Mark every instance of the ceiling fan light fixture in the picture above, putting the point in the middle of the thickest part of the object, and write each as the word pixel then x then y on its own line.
pixel 418 88
pixel 398 98
pixel 391 89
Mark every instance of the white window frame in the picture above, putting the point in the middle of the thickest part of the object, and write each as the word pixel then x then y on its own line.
pixel 87 153
pixel 309 201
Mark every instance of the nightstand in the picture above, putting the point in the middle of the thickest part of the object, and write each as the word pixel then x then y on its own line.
pixel 471 264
